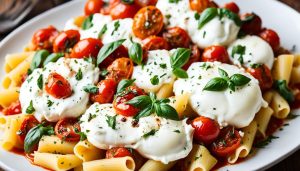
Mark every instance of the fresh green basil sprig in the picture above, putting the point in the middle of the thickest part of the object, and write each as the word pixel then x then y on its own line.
pixel 91 89
pixel 123 84
pixel 239 50
pixel 284 91
pixel 53 57
pixel 180 57
pixel 135 53
pixel 108 49
pixel 224 82
pixel 87 23
pixel 38 60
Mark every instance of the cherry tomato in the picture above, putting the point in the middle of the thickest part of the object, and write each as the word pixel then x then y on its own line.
pixel 199 5
pixel 121 68
pixel 120 105
pixel 232 7
pixel 177 37
pixel 65 40
pixel 121 51
pixel 252 24
pixel 263 74
pixel 106 8
pixel 215 53
pixel 43 38
pixel 116 152
pixel 195 57
pixel 155 43
pixel 206 129
pixel 228 141
pixel 67 129
pixel 147 22
pixel 13 108
pixel 271 37
pixel 58 87
pixel 28 123
pixel 107 89
pixel 143 3
pixel 86 48
pixel 123 10
pixel 93 6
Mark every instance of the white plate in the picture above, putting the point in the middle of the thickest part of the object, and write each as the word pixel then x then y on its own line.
pixel 274 15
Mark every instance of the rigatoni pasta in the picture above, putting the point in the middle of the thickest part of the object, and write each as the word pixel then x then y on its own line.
pixel 117 164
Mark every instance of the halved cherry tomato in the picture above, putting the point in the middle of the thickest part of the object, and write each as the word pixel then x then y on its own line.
pixel 271 37
pixel 120 105
pixel 116 152
pixel 28 123
pixel 232 7
pixel 177 37
pixel 43 38
pixel 215 53
pixel 67 129
pixel 107 7
pixel 13 108
pixel 206 129
pixel 121 68
pixel 93 6
pixel 155 43
pixel 195 56
pixel 120 52
pixel 252 23
pixel 147 22
pixel 263 74
pixel 107 89
pixel 122 10
pixel 143 3
pixel 86 48
pixel 58 87
pixel 199 5
pixel 65 40
pixel 228 141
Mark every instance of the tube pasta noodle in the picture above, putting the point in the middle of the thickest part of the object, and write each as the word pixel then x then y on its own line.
pixel 13 60
pixel 8 96
pixel 52 144
pixel 295 75
pixel 116 164
pixel 262 118
pixel 87 152
pixel 200 159
pixel 282 67
pixel 78 168
pixel 180 103
pixel 247 142
pixel 152 165
pixel 166 90
pixel 56 161
pixel 280 106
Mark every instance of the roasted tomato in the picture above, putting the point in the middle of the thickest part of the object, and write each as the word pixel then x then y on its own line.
pixel 43 38
pixel 123 10
pixel 228 141
pixel 58 87
pixel 195 56
pixel 199 5
pixel 107 89
pixel 93 6
pixel 86 48
pixel 252 23
pixel 120 52
pixel 68 129
pixel 263 74
pixel 154 43
pixel 121 68
pixel 116 152
pixel 215 53
pixel 177 37
pixel 13 108
pixel 120 105
pixel 147 22
pixel 232 7
pixel 143 3
pixel 206 129
pixel 65 40
pixel 271 37
pixel 28 123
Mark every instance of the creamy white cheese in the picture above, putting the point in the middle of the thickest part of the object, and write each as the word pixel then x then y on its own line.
pixel 227 107
pixel 158 64
pixel 50 108
pixel 70 25
pixel 171 140
pixel 257 51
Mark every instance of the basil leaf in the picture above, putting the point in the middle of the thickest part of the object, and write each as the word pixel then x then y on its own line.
pixel 87 23
pixel 216 84
pixel 180 57
pixel 108 49
pixel 150 133
pixel 111 121
pixel 154 80
pixel 53 58
pixel 136 53
pixel 123 84
pixel 240 50
pixel 168 112
pixel 180 73
pixel 239 79
pixel 91 89
pixel 40 82
pixel 144 113
pixel 207 15
pixel 231 15
pixel 78 76
pixel 102 31
pixel 284 91
pixel 140 101
pixel 38 59
pixel 222 73
pixel 30 109
pixel 82 136
pixel 128 1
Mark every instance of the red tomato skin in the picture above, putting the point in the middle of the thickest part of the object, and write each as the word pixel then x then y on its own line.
pixel 58 87
pixel 86 48
pixel 43 38
pixel 271 37
pixel 232 7
pixel 67 128
pixel 14 108
pixel 121 11
pixel 155 43
pixel 144 3
pixel 120 52
pixel 177 37
pixel 195 57
pixel 251 27
pixel 28 123
pixel 107 89
pixel 120 68
pixel 93 6
pixel 263 75
pixel 117 152
pixel 215 53
pixel 65 40
pixel 206 129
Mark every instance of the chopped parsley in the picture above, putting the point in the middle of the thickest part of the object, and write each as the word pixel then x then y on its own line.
pixel 50 103
pixel 116 27
pixel 79 75
pixel 163 66
pixel 239 50
pixel 111 121
pixel 30 109
pixel 154 80
pixel 150 133
pixel 40 82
